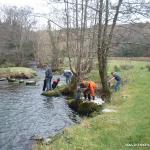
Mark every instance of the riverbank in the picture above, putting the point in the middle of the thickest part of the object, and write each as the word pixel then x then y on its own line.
pixel 17 72
pixel 116 130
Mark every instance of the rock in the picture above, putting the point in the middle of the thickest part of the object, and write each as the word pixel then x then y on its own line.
pixel 11 79
pixel 37 138
pixel 21 81
pixel 3 79
pixel 30 82
pixel 84 108
pixel 98 101
pixel 74 104
pixel 67 90
pixel 62 90
pixel 47 141
pixel 106 110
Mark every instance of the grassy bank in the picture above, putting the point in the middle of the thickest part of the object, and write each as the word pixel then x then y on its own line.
pixel 17 72
pixel 112 131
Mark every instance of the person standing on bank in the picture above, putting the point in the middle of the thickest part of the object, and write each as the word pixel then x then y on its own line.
pixel 118 81
pixel 48 77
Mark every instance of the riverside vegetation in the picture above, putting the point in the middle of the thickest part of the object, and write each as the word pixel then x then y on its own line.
pixel 129 125
pixel 17 72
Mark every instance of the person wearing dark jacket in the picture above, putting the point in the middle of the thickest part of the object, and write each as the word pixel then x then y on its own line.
pixel 48 77
pixel 55 83
pixel 44 85
pixel 118 81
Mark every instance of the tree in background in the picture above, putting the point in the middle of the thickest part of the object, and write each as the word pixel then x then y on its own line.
pixel 16 25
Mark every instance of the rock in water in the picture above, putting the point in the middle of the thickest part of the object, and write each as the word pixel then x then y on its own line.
pixel 84 108
pixel 3 79
pixel 21 81
pixel 31 83
pixel 37 138
pixel 11 79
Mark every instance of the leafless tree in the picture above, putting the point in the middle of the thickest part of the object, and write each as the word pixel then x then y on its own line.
pixel 17 24
pixel 79 41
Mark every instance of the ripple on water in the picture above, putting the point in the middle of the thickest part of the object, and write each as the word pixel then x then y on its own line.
pixel 24 113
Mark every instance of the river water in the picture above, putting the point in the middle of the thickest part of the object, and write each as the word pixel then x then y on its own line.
pixel 25 113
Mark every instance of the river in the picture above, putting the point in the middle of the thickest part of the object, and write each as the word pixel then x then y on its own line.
pixel 24 112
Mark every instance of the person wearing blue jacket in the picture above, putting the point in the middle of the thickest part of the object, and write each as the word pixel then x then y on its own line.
pixel 48 77
pixel 118 81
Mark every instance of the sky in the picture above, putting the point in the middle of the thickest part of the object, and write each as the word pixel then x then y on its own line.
pixel 39 6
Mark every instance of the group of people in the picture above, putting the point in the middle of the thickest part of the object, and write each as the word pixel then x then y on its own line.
pixel 49 85
pixel 89 87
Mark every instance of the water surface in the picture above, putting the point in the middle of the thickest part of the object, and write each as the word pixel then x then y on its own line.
pixel 24 113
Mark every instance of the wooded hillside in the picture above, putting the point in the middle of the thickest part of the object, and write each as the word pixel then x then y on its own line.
pixel 20 43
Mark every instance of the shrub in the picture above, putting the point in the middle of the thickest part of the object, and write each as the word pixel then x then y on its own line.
pixel 126 67
pixel 148 67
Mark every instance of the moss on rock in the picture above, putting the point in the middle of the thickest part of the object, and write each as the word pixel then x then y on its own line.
pixel 74 104
pixel 84 108
pixel 62 90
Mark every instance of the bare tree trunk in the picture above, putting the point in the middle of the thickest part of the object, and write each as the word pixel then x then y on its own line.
pixel 55 51
pixel 104 44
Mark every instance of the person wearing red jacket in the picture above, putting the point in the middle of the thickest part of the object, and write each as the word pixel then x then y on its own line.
pixel 89 89
pixel 55 83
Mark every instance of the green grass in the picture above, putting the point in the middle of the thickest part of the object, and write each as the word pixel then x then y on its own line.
pixel 14 71
pixel 112 131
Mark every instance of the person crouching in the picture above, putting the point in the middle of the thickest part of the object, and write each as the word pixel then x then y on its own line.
pixel 55 83
pixel 89 88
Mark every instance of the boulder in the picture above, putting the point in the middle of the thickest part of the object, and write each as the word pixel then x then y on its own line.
pixel 84 108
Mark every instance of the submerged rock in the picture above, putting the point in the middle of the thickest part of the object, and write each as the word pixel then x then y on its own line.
pixel 30 82
pixel 21 81
pixel 37 138
pixel 3 79
pixel 11 79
